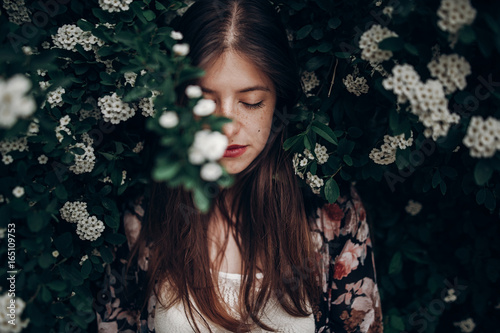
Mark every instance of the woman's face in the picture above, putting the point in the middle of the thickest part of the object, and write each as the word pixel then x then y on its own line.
pixel 243 93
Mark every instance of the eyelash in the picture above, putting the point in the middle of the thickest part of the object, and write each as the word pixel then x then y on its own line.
pixel 254 106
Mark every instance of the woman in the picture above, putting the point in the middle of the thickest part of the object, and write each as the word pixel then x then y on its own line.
pixel 267 256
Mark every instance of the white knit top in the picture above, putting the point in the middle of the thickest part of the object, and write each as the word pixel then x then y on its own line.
pixel 176 320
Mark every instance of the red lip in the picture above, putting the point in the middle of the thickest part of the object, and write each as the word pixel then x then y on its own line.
pixel 235 151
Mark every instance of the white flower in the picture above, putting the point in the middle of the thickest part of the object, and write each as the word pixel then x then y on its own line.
pixel 204 107
pixel 19 305
pixel 427 100
pixel 207 145
pixel 181 49
pixel 86 161
pixel 314 182
pixel 114 110
pixel 454 14
pixel 42 159
pixel 451 71
pixel 74 212
pixel 14 144
pixel 356 86
pixel 193 91
pixel 130 78
pixel 387 152
pixel 369 41
pixel 18 191
pixel 321 153
pixel 14 103
pixel 483 137
pixel 7 159
pixel 67 37
pixel 309 82
pixel 90 228
pixel 466 325
pixel 138 147
pixel 82 260
pixel 115 5
pixel 55 97
pixel 176 35
pixel 413 207
pixel 55 253
pixel 211 171
pixel 2 231
pixel 169 119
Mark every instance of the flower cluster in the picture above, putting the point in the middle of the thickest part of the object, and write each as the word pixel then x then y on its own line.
pixel 321 154
pixel 16 11
pixel 309 82
pixel 83 259
pixel 115 5
pixel 14 144
pixel 454 14
pixel 62 127
pixel 451 71
pixel 369 44
pixel 356 86
pixel 5 326
pixel 413 207
pixel 94 112
pixel 55 97
pixel 427 100
pixel 147 105
pixel 483 137
pixel 107 179
pixel 86 161
pixel 314 182
pixel 88 227
pixel 114 110
pixel 130 78
pixel 138 147
pixel 168 119
pixel 300 161
pixel 207 145
pixel 69 35
pixel 387 152
pixel 14 103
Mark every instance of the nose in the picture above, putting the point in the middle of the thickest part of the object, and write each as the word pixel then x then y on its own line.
pixel 228 109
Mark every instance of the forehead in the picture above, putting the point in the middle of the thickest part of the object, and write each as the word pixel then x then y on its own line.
pixel 234 71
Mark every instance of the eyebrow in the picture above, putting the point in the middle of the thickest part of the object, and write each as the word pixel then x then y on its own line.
pixel 254 88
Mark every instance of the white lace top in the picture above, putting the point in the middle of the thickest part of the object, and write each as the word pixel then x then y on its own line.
pixel 176 320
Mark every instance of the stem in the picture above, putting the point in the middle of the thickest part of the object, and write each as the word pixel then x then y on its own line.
pixel 333 77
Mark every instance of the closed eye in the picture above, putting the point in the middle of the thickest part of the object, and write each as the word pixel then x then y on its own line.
pixel 253 106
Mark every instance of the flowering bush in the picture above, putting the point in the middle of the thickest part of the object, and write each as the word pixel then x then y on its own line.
pixel 400 96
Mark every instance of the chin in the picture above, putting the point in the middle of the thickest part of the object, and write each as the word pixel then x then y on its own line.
pixel 234 168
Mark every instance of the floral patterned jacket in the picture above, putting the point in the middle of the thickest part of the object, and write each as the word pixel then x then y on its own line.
pixel 350 302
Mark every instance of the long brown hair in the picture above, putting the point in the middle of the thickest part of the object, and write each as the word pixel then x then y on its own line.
pixel 266 213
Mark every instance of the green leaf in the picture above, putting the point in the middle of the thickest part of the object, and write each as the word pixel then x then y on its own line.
pixel 106 254
pixel 482 172
pixel 307 143
pixel 290 142
pixel 61 192
pixel 325 132
pixel 481 196
pixel 149 15
pixel 304 31
pixel 85 25
pixel 166 172
pixel 348 160
pixel 332 190
pixel 467 35
pixel 436 179
pixel 86 268
pixel 35 221
pixel 45 260
pixel 64 244
pixel 334 23
pixel 115 239
pixel 397 322
pixel 411 49
pixel 396 263
pixel 201 201
pixel 71 274
pixel 57 285
pixel 391 44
